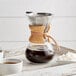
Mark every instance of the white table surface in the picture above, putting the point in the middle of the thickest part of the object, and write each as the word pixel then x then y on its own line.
pixel 61 70
pixel 51 71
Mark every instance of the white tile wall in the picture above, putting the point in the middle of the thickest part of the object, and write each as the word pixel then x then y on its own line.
pixel 64 28
pixel 14 24
pixel 18 7
pixel 16 29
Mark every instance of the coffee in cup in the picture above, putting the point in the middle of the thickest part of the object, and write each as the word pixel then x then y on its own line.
pixel 11 66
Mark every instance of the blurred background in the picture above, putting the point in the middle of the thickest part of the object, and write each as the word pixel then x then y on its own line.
pixel 14 31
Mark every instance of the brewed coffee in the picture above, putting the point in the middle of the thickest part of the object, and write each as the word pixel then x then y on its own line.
pixel 10 62
pixel 39 55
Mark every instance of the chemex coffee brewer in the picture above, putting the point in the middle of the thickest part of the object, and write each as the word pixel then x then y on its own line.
pixel 40 49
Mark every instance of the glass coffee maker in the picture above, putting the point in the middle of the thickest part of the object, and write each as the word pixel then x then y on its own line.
pixel 40 49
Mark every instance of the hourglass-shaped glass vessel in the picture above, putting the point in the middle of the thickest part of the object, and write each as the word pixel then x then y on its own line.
pixel 40 49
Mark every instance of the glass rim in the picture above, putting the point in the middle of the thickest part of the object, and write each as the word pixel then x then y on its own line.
pixel 39 14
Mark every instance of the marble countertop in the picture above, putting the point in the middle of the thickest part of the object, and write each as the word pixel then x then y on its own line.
pixel 59 70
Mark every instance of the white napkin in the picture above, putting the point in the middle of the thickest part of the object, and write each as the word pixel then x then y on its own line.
pixel 70 56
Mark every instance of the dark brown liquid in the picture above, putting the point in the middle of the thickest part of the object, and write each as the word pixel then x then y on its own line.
pixel 10 62
pixel 41 56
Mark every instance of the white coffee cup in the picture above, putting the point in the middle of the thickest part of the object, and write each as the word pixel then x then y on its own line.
pixel 11 66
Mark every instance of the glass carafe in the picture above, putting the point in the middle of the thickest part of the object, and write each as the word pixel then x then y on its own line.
pixel 40 49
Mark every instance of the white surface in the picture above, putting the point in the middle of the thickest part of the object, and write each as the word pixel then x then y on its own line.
pixel 51 68
pixel 69 56
pixel 18 7
pixel 53 71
